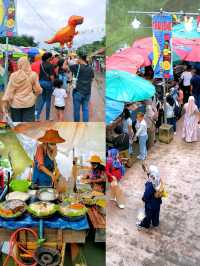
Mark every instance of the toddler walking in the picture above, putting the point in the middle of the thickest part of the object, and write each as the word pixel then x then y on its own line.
pixel 59 102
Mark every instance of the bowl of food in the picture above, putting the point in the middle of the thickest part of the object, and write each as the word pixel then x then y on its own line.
pixel 72 211
pixel 47 194
pixel 12 209
pixel 42 209
pixel 16 195
pixel 20 185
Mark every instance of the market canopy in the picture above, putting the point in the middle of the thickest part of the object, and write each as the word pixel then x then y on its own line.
pixel 113 110
pixel 126 87
pixel 180 31
pixel 117 62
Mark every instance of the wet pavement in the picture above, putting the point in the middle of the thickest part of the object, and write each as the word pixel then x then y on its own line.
pixel 176 241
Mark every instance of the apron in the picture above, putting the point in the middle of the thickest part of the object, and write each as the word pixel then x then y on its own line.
pixel 40 178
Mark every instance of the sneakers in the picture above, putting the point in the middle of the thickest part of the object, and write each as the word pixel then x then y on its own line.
pixel 121 206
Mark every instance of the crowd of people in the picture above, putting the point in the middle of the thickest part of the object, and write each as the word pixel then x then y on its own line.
pixel 140 122
pixel 33 86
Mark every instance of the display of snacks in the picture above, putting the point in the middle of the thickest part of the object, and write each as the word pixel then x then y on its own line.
pixel 17 196
pixel 72 210
pixel 47 194
pixel 12 209
pixel 42 209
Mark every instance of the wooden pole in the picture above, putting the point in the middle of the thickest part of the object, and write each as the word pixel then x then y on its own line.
pixel 6 64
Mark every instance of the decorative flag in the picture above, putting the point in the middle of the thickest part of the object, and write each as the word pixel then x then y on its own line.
pixel 162 46
pixel 7 18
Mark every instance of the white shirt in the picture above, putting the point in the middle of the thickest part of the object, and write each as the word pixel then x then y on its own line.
pixel 60 95
pixel 141 128
pixel 186 76
pixel 169 111
pixel 126 123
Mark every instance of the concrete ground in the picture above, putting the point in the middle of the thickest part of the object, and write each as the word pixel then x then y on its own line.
pixel 176 241
pixel 96 107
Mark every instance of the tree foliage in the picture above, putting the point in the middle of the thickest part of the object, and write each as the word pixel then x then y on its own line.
pixel 92 47
pixel 23 40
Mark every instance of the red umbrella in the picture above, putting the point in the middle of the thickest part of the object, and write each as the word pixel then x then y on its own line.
pixel 194 54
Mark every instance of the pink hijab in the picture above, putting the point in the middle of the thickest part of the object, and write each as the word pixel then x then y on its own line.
pixel 191 107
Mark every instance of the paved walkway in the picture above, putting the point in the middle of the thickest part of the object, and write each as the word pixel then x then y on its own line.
pixel 176 241
pixel 96 108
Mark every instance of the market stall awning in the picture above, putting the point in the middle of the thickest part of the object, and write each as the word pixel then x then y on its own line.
pixel 113 110
pixel 179 31
pixel 117 62
pixel 125 87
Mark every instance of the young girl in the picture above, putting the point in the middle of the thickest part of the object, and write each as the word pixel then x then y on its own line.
pixel 141 133
pixel 115 172
pixel 60 95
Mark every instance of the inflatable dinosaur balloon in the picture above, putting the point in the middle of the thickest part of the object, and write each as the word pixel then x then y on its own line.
pixel 66 34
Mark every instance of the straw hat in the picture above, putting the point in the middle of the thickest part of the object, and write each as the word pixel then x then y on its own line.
pixel 51 136
pixel 95 159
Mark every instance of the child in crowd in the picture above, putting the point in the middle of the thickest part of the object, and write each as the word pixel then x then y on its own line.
pixel 141 133
pixel 60 95
pixel 170 112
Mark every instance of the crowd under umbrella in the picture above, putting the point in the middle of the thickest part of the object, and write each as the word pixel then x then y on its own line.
pixel 124 87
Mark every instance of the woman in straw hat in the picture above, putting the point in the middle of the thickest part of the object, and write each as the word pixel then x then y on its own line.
pixel 97 177
pixel 44 160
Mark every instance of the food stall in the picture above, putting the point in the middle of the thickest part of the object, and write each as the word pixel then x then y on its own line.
pixel 57 218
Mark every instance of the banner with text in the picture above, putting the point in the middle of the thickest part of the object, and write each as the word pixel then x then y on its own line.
pixel 162 46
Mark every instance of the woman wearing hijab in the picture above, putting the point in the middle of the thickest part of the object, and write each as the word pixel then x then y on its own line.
pixel 115 172
pixel 21 93
pixel 191 119
pixel 151 199
pixel 45 171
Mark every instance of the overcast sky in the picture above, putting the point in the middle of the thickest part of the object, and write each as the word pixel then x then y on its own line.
pixel 55 14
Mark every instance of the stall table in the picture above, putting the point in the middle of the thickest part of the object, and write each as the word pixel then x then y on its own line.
pixel 99 223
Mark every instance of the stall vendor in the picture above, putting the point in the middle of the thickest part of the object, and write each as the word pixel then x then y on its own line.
pixel 97 176
pixel 44 160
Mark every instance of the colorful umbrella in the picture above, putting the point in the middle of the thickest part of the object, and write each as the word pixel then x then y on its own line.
pixel 32 52
pixel 180 48
pixel 113 110
pixel 117 62
pixel 125 87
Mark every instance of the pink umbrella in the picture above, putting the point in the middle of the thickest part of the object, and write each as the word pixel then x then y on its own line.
pixel 194 54
pixel 116 62
pixel 139 56
pixel 181 47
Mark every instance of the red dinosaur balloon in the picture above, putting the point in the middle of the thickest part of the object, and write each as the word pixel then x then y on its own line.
pixel 66 34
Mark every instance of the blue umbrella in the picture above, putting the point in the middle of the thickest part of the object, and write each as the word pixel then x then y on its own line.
pixel 179 31
pixel 113 110
pixel 32 52
pixel 126 87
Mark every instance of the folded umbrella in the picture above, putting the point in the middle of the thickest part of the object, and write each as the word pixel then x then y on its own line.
pixel 125 87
